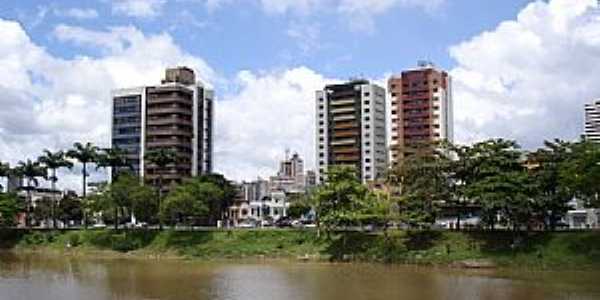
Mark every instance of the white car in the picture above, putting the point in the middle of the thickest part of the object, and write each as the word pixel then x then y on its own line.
pixel 245 225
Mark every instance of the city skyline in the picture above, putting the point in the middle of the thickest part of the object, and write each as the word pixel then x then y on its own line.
pixel 519 91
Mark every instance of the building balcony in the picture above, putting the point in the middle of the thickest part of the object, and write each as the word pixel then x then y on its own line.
pixel 170 99
pixel 170 121
pixel 347 158
pixel 343 142
pixel 350 109
pixel 170 132
pixel 169 110
pixel 342 102
pixel 345 133
pixel 344 118
pixel 169 143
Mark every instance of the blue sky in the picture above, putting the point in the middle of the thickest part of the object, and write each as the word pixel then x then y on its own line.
pixel 521 69
pixel 238 37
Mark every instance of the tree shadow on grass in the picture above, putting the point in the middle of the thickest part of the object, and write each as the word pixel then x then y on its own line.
pixel 9 238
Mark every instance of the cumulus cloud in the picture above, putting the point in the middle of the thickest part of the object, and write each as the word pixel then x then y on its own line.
pixel 77 13
pixel 359 14
pixel 51 102
pixel 529 78
pixel 270 112
pixel 138 8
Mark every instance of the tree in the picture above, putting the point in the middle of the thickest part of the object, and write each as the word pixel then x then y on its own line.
pixel 340 200
pixel 31 171
pixel 500 183
pixel 113 158
pixel 4 172
pixel 219 205
pixel 161 158
pixel 551 195
pixel 128 195
pixel 421 184
pixel 54 161
pixel 580 172
pixel 84 154
pixel 299 206
pixel 70 208
pixel 10 206
pixel 190 202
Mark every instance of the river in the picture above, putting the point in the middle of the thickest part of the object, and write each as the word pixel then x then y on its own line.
pixel 34 277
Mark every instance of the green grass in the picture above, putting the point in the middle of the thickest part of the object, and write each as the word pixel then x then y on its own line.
pixel 564 250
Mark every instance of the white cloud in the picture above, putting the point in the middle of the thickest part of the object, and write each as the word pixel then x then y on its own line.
pixel 270 112
pixel 78 13
pixel 307 36
pixel 528 78
pixel 359 14
pixel 138 8
pixel 51 102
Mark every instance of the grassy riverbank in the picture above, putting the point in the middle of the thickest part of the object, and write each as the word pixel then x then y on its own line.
pixel 564 250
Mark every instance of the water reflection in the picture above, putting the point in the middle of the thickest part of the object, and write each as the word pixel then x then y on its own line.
pixel 33 277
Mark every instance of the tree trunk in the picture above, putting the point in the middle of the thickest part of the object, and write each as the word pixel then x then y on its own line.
pixel 160 222
pixel 53 198
pixel 29 206
pixel 116 217
pixel 84 200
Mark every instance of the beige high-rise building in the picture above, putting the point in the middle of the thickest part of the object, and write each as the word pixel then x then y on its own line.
pixel 351 129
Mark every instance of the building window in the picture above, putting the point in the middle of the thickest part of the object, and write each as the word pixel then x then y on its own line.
pixel 367 110
pixel 367 94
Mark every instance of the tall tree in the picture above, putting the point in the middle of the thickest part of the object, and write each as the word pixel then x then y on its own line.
pixel 161 158
pixel 219 205
pixel 30 171
pixel 551 195
pixel 113 158
pixel 190 202
pixel 422 185
pixel 54 161
pixel 9 209
pixel 500 183
pixel 580 172
pixel 341 199
pixel 84 154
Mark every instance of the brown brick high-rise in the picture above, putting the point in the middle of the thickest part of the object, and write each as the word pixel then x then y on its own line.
pixel 421 109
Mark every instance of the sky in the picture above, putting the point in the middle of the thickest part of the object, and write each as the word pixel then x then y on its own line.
pixel 521 69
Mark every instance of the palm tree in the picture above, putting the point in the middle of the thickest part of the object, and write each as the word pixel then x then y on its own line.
pixel 4 172
pixel 30 170
pixel 113 158
pixel 54 161
pixel 160 159
pixel 84 154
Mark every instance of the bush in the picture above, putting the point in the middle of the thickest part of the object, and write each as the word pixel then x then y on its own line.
pixel 74 239
pixel 35 238
pixel 125 243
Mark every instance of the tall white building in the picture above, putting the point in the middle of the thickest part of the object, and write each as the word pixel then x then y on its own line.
pixel 351 129
pixel 592 121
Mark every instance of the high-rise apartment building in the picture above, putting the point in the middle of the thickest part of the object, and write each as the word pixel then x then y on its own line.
pixel 421 112
pixel 351 129
pixel 592 121
pixel 177 115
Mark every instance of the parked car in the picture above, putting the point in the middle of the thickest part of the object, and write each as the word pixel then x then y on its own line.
pixel 283 222
pixel 246 224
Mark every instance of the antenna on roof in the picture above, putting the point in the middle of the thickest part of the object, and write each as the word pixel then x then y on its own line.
pixel 427 63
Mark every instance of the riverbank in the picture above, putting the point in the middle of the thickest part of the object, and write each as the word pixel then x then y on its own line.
pixel 556 251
